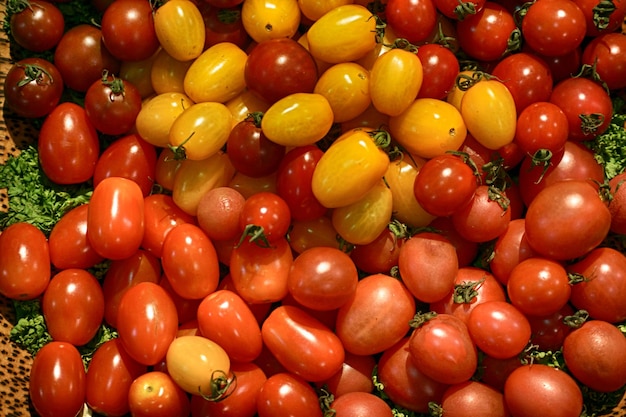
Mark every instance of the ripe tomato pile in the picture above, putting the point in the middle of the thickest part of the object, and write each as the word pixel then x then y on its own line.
pixel 313 207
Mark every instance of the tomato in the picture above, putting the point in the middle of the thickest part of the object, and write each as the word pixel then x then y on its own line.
pixel 306 234
pixel 548 332
pixel 245 103
pixel 224 24
pixel 270 19
pixel 354 376
pixel 161 215
pixel 264 216
pixel 38 27
pixel 190 261
pixel 68 145
pixel 128 30
pixel 218 214
pixel 559 393
pixel 541 126
pixel 314 9
pixel 24 262
pixel 33 87
pixel 593 354
pixel 156 394
pixel 81 56
pixel 429 127
pixel 473 398
pixel 287 395
pixel 599 21
pixel 248 186
pixel 412 19
pixel 440 68
pixel 360 403
pixel 566 220
pixel 146 322
pixel 377 316
pixel 380 255
pixel 217 75
pixel 109 377
pixel 496 371
pixel 484 218
pixel 57 380
pixel 510 248
pixel 616 205
pixel 605 53
pixel 157 115
pixel 199 366
pixel 167 75
pixel 346 86
pixel 179 27
pixel 138 73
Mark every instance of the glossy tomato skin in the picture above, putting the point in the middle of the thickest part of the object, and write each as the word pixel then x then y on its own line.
pixel 510 248
pixel 483 218
pixel 288 395
pixel 380 255
pixel 473 398
pixel 112 105
pixel 57 380
pixel 541 125
pixel 268 211
pixel 355 375
pixel 224 24
pixel 39 27
pixel 179 28
pixel 128 30
pixel 412 19
pixel 361 403
pixel 606 53
pixel 161 215
pixel 154 393
pixel 440 68
pixel 24 262
pixel 68 145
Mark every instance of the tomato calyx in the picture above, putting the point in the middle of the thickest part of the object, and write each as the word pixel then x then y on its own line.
pixel 465 292
pixel 34 72
pixel 402 43
pixel 498 181
pixel 468 161
pixel 533 355
pixel 255 118
pixel 421 318
pixel 464 9
pixel 464 81
pixel 590 123
pixel 326 399
pixel 179 152
pixel 577 319
pixel 116 85
pixel 17 6
pixel 228 16
pixel 514 43
pixel 434 409
pixel 541 157
pixel 257 236
pixel 221 386
pixel 602 13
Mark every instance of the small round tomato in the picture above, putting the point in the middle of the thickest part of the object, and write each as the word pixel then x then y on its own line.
pixel 128 30
pixel 510 248
pixel 270 19
pixel 179 27
pixel 265 216
pixel 219 211
pixel 484 217
pixel 440 68
pixel 33 87
pixel 413 20
pixel 361 402
pixel 155 394
pixel 473 398
pixel 38 26
pixel 161 215
pixel 541 126
pixel 606 54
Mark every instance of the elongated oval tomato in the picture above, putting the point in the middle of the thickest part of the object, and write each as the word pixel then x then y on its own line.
pixel 302 344
pixel 270 19
pixel 350 167
pixel 157 115
pixel 115 220
pixel 180 29
pixel 217 74
pixel 167 74
pixel 346 86
pixel 161 215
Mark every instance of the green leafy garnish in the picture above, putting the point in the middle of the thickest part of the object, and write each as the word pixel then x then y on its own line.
pixel 609 148
pixel 30 331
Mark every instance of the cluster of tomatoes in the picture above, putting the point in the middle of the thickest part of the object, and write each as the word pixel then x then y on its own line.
pixel 286 183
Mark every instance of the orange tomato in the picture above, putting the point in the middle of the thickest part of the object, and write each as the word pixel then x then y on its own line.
pixel 168 74
pixel 270 19
pixel 157 115
pixel 314 9
pixel 180 29
pixel 346 86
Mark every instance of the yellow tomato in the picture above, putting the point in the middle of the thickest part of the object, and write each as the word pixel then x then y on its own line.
pixel 167 74
pixel 270 19
pixel 360 223
pixel 429 127
pixel 346 87
pixel 400 177
pixel 157 115
pixel 180 29
pixel 201 130
pixel 298 119
pixel 349 168
pixel 244 103
pixel 217 75
pixel 346 33
pixel 306 234
pixel 138 73
pixel 455 95
pixel 314 9
pixel 367 60
pixel 322 66
pixel 370 118
pixel 489 113
pixel 395 80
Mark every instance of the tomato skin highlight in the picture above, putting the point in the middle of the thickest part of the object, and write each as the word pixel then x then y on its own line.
pixel 180 29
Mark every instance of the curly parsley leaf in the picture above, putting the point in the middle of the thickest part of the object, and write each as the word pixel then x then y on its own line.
pixel 30 331
pixel 609 148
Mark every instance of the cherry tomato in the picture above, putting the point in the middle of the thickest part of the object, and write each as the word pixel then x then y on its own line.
pixel 354 403
pixel 510 248
pixel 380 255
pixel 179 27
pixel 167 74
pixel 33 87
pixel 128 30
pixel 440 68
pixel 549 332
pixel 219 211
pixel 155 393
pixel 346 86
pixel 541 125
pixel 270 19
pixel 157 115
pixel 484 218
pixel 412 19
pixel 306 234
pixel 224 24
pixel 600 21
pixel 267 214
pixel 355 375
pixel 605 53
pixel 473 398
pixel 38 27
pixel 161 215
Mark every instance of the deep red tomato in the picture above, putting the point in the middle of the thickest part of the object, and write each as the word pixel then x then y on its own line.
pixel 218 214
pixel 186 308
pixel 360 403
pixel 510 248
pixel 548 332
pixel 496 371
pixel 33 87
pixel 380 255
pixel 606 54
pixel 473 398
pixel 440 68
pixel 541 126
pixel 354 375
pixel 24 262
pixel 413 20
pixel 265 215
pixel 484 218
pixel 146 322
pixel 601 20
pixel 224 24
pixel 155 394
pixel 617 205
pixel 287 395
pixel 68 145
pixel 38 27
pixel 57 380
pixel 109 377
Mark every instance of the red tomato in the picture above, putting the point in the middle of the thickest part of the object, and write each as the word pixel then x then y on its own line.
pixel 218 214
pixel 24 262
pixel 496 371
pixel 617 205
pixel 147 322
pixel 484 218
pixel 379 256
pixel 287 395
pixel 38 27
pixel 155 394
pixel 548 332
pixel 161 215
pixel 186 308
pixel 354 376
pixel 459 10
pixel 112 104
pixel 473 398
pixel 440 68
pixel 224 24
pixel 57 380
pixel 541 126
pixel 510 249
pixel 606 54
pixel 265 215
pixel 355 404
pixel 413 20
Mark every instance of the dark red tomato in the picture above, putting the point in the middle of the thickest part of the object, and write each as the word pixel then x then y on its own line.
pixel 495 371
pixel 57 380
pixel 218 214
pixel 115 220
pixel 268 214
pixel 24 262
pixel 38 27
pixel 101 5
pixel 510 249
pixel 322 278
pixel 377 316
pixel 604 285
pixel 112 104
pixel 293 182
pixel 444 184
pixel 156 394
pixel 617 204
pixel 599 19
pixel 224 24
pixel 250 152
pixel 109 377
pixel 484 218
pixel 595 354
pixel 278 67
pixel 68 145
pixel 562 66
pixel 586 104
pixel 548 332
pixel 554 27
pixel 226 318
pixel 161 215
pixel 541 126
pixel 607 55
pixel 413 20
pixel 81 57
pixel 287 395
pixel 459 10
pixel 128 30
pixel 190 261
pixel 486 35
pixel 129 157
pixel 567 220
pixel 404 383
pixel 357 404
pixel 355 375
pixel 442 349
pixel 473 398
pixel 33 87
pixel 380 255
pixel 147 322
pixel 73 306
pixel 559 393
pixel 440 68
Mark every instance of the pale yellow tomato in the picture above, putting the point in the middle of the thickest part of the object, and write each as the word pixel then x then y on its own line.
pixel 488 110
pixel 244 103
pixel 138 73
pixel 180 29
pixel 360 223
pixel 346 33
pixel 395 80
pixel 168 74
pixel 270 19
pixel 455 95
pixel 314 9
pixel 157 115
pixel 346 87
pixel 349 168
pixel 306 234
pixel 429 127
pixel 201 130
pixel 248 186
pixel 298 119
pixel 217 75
